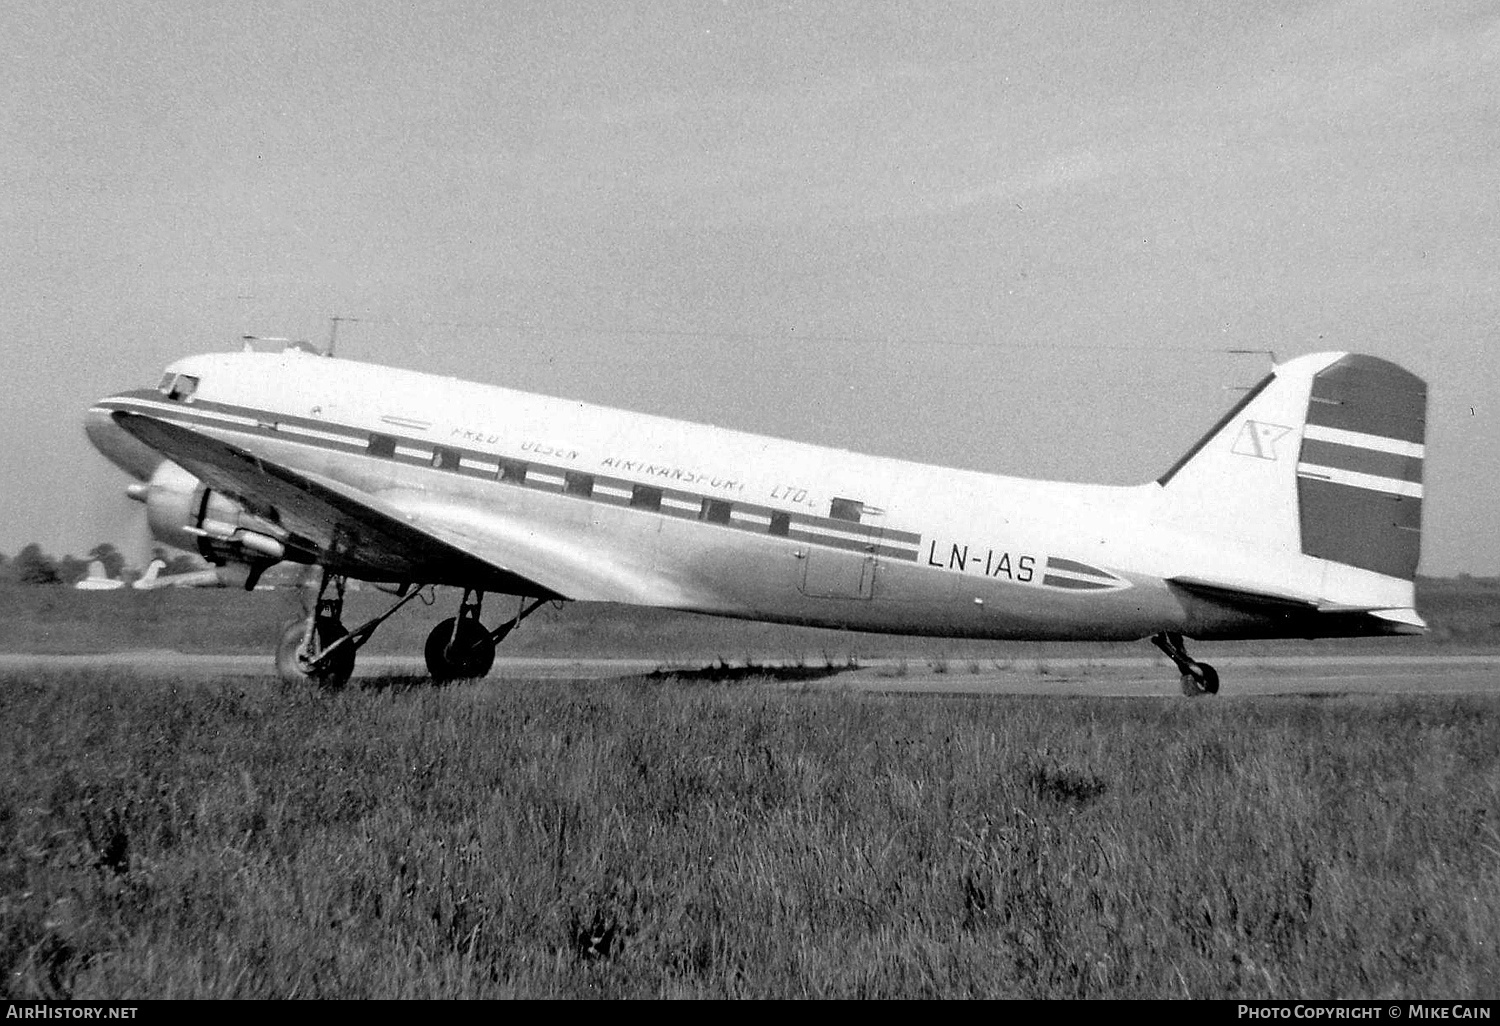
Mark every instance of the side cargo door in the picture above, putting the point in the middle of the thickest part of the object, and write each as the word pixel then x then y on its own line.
pixel 842 558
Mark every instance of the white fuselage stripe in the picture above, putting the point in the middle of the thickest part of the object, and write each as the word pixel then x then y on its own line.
pixel 1110 582
pixel 327 436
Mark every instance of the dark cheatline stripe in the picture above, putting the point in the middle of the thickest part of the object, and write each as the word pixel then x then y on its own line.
pixel 1372 396
pixel 872 531
pixel 1361 461
pixel 1074 585
pixel 1058 563
pixel 1361 528
pixel 200 412
pixel 849 544
pixel 266 419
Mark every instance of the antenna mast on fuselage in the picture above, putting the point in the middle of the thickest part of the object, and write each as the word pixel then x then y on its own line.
pixel 333 330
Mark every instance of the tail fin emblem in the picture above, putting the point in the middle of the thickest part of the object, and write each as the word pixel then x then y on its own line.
pixel 1259 440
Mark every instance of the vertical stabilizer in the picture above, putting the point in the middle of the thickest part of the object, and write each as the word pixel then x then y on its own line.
pixel 1317 471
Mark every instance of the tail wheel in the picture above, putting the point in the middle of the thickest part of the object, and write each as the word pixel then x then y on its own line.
pixel 293 666
pixel 1200 679
pixel 459 649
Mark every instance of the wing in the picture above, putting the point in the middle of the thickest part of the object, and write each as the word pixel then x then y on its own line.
pixel 401 535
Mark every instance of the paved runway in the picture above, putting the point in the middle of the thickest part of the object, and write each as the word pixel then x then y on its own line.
pixel 1132 676
pixel 1239 675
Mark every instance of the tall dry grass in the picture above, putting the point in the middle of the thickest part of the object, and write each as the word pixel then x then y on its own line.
pixel 161 838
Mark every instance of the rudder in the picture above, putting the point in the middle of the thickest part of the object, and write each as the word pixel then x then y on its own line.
pixel 1359 471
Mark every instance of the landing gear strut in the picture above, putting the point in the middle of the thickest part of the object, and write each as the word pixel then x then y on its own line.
pixel 318 650
pixel 1197 678
pixel 310 651
pixel 460 648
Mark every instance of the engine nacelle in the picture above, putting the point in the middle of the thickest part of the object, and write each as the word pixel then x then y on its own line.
pixel 186 514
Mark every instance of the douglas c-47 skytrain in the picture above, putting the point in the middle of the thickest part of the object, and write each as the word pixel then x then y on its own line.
pixel 1297 515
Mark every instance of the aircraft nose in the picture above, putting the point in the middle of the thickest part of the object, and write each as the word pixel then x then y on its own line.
pixel 119 446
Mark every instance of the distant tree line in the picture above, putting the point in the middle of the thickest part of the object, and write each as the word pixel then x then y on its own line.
pixel 34 566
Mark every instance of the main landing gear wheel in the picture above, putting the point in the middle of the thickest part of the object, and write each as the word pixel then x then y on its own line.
pixel 296 665
pixel 1197 678
pixel 459 648
pixel 316 649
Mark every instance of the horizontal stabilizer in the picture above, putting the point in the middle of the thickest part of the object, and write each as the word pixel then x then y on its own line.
pixel 1401 621
pixel 1387 620
pixel 1235 593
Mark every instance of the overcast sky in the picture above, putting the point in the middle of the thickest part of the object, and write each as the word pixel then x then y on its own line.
pixel 1012 237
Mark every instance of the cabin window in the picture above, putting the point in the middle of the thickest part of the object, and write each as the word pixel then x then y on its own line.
pixel 444 459
pixel 715 511
pixel 513 471
pixel 383 446
pixel 578 484
pixel 846 509
pixel 781 524
pixel 645 497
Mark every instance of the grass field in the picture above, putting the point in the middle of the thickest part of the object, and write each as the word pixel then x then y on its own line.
pixel 164 838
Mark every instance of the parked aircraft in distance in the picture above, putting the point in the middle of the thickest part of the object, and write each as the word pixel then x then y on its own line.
pixel 98 579
pixel 153 578
pixel 1297 515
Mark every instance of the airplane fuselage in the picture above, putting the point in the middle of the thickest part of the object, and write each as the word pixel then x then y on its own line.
pixel 670 513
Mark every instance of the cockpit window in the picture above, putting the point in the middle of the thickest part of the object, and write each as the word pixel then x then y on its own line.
pixel 178 386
